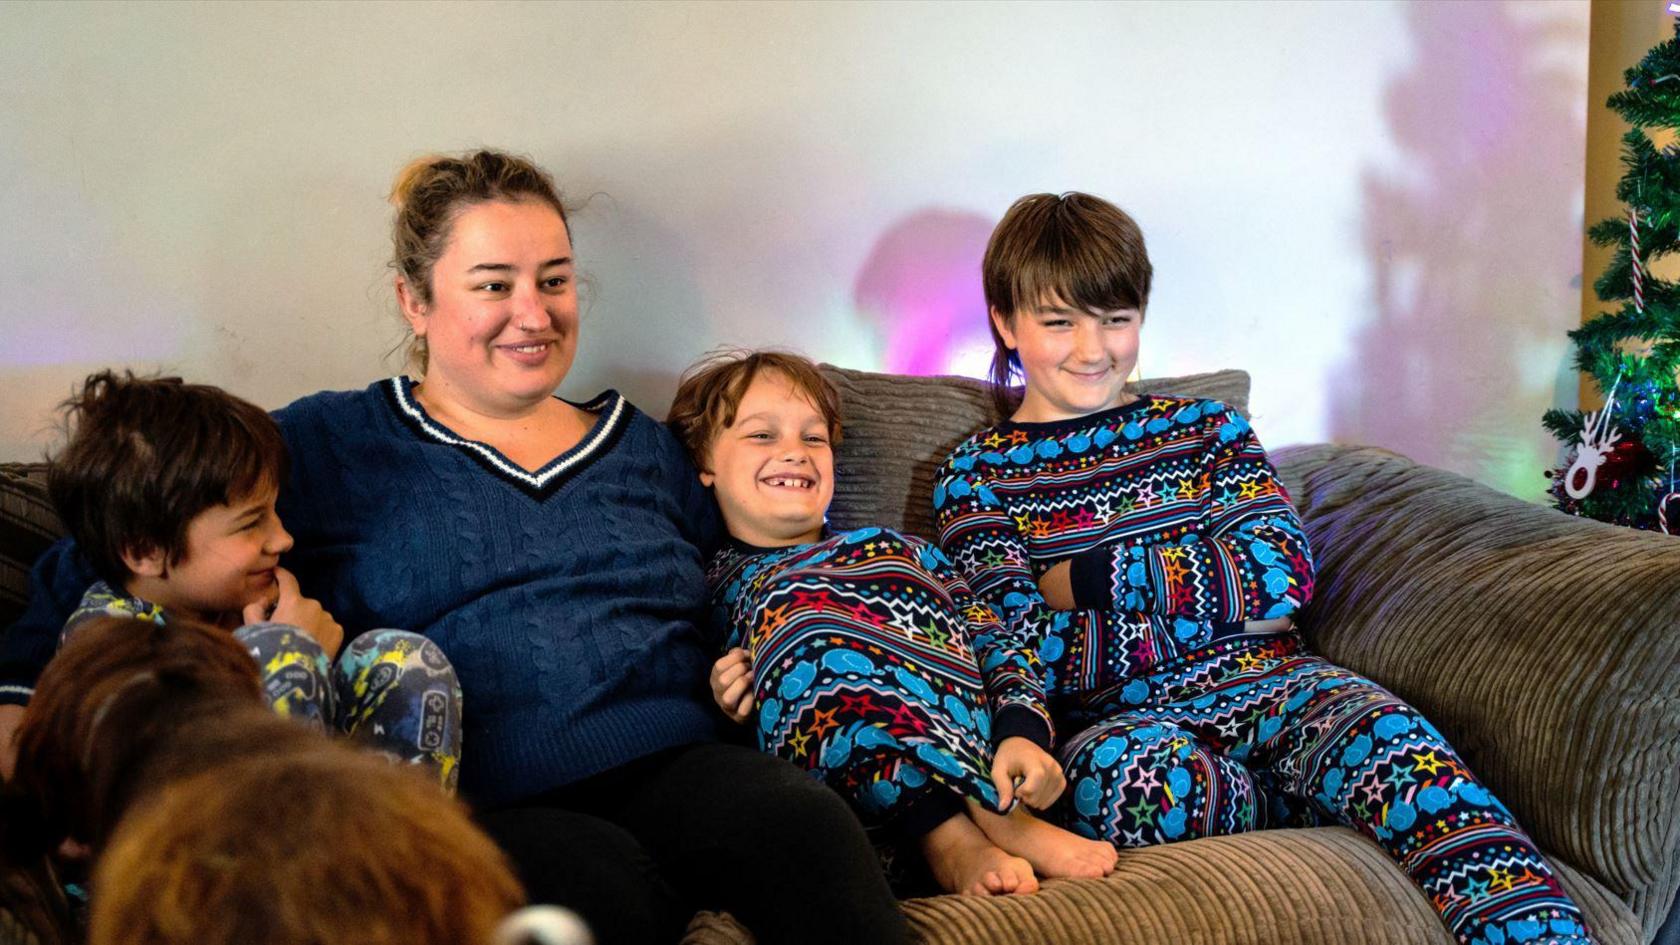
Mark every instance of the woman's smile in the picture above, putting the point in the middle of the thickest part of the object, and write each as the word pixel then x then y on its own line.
pixel 533 354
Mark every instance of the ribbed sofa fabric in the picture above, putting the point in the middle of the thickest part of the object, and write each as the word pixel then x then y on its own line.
pixel 1319 886
pixel 1546 647
pixel 28 525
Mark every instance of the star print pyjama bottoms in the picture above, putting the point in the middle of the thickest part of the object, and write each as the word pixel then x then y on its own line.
pixel 871 711
pixel 1249 733
pixel 390 690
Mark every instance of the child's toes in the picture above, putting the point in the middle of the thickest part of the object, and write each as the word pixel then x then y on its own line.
pixel 1104 864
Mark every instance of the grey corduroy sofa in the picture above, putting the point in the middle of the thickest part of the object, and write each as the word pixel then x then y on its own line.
pixel 1547 648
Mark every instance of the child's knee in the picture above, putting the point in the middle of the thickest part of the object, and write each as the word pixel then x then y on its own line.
pixel 403 684
pixel 270 641
pixel 1117 746
pixel 1144 784
pixel 295 670
pixel 376 643
pixel 379 658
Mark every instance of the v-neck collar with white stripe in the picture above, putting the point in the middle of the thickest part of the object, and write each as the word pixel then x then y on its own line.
pixel 612 414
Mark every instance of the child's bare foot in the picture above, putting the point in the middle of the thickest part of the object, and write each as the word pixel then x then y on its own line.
pixel 964 861
pixel 1052 851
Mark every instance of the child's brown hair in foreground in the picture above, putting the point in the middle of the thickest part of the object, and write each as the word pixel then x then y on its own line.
pixel 131 715
pixel 323 846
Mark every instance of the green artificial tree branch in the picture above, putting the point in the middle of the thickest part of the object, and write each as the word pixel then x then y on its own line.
pixel 1632 348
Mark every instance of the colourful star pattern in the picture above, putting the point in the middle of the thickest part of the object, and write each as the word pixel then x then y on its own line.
pixel 863 647
pixel 1191 535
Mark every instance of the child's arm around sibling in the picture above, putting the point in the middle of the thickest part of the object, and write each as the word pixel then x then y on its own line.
pixel 1020 726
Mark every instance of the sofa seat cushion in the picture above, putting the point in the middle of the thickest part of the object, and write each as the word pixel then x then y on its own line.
pixel 1314 886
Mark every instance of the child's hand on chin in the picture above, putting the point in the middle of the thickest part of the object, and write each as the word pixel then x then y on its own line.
pixel 292 608
pixel 732 685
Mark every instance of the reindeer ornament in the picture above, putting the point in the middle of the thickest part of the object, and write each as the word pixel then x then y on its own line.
pixel 1597 437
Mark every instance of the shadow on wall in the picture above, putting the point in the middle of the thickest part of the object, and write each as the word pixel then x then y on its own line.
pixel 920 290
pixel 1471 244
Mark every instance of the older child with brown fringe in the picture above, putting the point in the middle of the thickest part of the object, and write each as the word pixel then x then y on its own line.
pixel 1144 550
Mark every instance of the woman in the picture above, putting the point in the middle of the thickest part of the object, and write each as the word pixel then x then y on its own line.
pixel 554 551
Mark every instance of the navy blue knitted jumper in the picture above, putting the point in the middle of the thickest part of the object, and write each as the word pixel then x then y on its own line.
pixel 565 597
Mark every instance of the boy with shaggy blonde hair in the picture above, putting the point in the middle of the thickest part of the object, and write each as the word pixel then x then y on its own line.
pixel 862 656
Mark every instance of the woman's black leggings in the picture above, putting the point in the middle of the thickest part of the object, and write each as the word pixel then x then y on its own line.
pixel 638 849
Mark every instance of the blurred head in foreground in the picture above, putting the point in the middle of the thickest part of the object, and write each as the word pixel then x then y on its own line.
pixel 323 847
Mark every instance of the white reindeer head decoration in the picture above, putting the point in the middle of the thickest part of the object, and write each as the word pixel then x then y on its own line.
pixel 1597 437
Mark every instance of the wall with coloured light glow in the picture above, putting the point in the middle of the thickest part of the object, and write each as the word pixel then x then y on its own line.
pixel 1375 208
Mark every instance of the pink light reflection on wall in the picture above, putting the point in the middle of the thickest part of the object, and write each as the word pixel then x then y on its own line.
pixel 920 288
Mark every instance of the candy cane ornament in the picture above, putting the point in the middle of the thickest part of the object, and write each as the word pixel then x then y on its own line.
pixel 1633 254
pixel 1673 495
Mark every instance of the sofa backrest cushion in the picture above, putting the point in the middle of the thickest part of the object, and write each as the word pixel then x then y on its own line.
pixel 27 526
pixel 897 429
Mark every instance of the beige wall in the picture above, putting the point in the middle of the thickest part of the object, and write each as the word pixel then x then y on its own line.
pixel 1373 207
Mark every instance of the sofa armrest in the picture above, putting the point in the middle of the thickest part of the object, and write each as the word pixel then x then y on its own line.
pixel 28 525
pixel 1545 647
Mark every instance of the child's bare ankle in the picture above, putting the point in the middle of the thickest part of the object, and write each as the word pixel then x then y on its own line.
pixel 1053 851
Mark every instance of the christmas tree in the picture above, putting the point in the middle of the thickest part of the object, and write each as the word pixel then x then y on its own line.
pixel 1623 459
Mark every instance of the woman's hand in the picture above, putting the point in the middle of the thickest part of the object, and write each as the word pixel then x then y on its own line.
pixel 1056 585
pixel 294 609
pixel 732 685
pixel 1041 777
